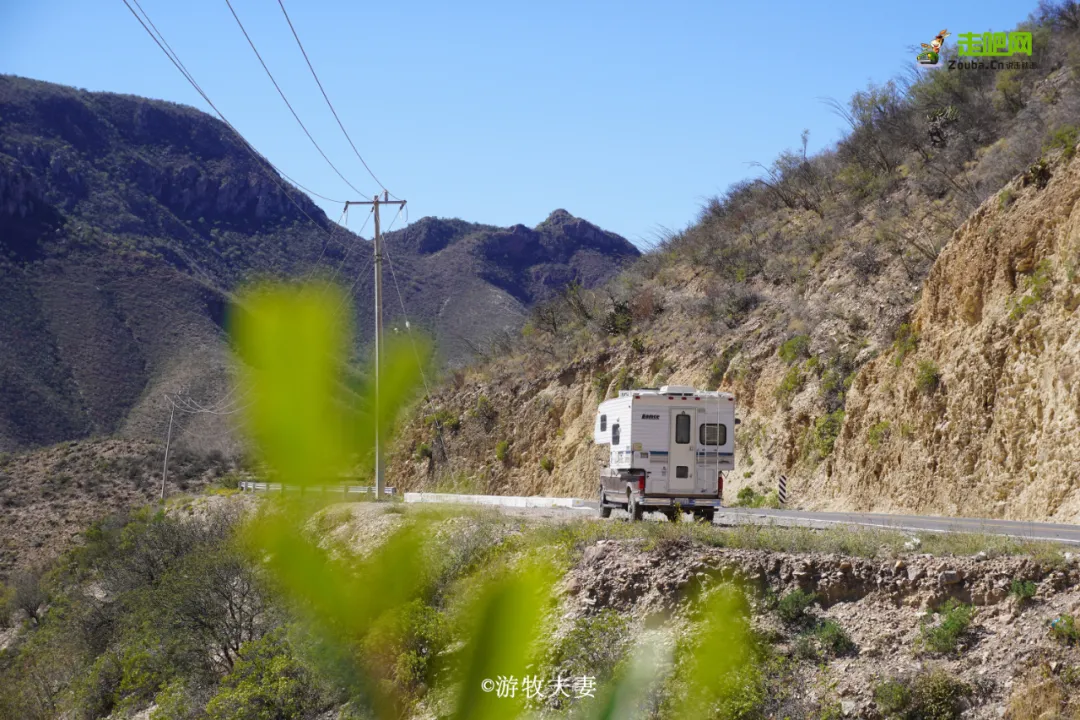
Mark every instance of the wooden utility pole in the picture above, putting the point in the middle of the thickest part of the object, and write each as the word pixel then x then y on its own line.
pixel 375 202
pixel 168 441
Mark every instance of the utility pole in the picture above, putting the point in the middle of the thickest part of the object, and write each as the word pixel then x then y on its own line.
pixel 375 202
pixel 168 441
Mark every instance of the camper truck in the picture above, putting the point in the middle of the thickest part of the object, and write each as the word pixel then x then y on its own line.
pixel 669 450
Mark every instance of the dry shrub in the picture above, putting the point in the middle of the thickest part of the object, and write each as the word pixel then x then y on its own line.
pixel 1041 698
pixel 645 304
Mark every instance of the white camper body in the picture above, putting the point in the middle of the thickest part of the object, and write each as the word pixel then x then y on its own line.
pixel 668 446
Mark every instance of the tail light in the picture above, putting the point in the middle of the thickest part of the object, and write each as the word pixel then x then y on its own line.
pixel 641 483
pixel 720 485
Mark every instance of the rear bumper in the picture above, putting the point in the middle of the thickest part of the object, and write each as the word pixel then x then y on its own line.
pixel 686 502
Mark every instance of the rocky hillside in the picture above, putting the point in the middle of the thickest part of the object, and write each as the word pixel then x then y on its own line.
pixel 49 497
pixel 977 411
pixel 895 316
pixel 126 224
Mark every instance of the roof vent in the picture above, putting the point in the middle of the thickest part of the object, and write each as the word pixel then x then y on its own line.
pixel 677 390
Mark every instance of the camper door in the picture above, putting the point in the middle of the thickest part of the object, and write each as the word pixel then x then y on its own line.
pixel 682 459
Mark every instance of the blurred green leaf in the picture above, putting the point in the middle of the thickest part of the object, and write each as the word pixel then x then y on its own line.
pixel 720 674
pixel 504 627
pixel 294 346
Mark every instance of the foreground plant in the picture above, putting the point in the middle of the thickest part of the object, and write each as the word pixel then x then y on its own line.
pixel 310 424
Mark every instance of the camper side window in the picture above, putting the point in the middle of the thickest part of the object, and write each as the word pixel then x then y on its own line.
pixel 712 434
pixel 615 434
pixel 682 429
pixel 603 423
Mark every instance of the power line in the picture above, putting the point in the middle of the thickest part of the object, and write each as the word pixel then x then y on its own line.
pixel 183 69
pixel 287 103
pixel 322 251
pixel 260 160
pixel 330 104
pixel 340 265
pixel 405 314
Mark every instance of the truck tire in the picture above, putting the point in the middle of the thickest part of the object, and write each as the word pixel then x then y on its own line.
pixel 707 516
pixel 605 509
pixel 637 512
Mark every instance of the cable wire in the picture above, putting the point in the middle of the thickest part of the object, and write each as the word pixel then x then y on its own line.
pixel 327 98
pixel 260 160
pixel 333 276
pixel 404 312
pixel 287 103
pixel 187 408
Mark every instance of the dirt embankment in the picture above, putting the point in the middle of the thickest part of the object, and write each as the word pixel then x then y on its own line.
pixel 882 604
pixel 982 417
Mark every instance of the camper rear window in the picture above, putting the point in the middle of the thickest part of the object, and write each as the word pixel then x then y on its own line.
pixel 615 434
pixel 682 429
pixel 603 423
pixel 712 434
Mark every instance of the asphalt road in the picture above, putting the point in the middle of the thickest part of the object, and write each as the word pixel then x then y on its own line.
pixel 911 523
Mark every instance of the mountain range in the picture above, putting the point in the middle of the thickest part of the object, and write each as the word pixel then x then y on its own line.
pixel 127 224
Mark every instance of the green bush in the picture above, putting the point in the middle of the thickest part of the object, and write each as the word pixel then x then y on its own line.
pixel 826 430
pixel 485 411
pixel 834 639
pixel 1064 138
pixel 176 702
pixel 1064 630
pixel 602 383
pixel 893 698
pixel 444 419
pixel 937 695
pixel 624 380
pixel 719 366
pixel 794 349
pixel 502 451
pixel 406 641
pixel 593 646
pixel 547 464
pixel 878 433
pixel 619 320
pixel 933 695
pixel 826 639
pixel 268 681
pixel 748 497
pixel 927 377
pixel 230 480
pixel 1023 590
pixel 423 451
pixel 905 343
pixel 1038 286
pixel 637 344
pixel 944 637
pixel 790 385
pixel 792 607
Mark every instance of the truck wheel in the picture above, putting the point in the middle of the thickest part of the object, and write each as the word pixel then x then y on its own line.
pixel 605 509
pixel 636 511
pixel 707 516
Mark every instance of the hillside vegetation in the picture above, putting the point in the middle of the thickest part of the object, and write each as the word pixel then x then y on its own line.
pixel 802 291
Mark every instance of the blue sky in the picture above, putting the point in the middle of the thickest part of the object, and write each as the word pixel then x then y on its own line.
pixel 629 114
